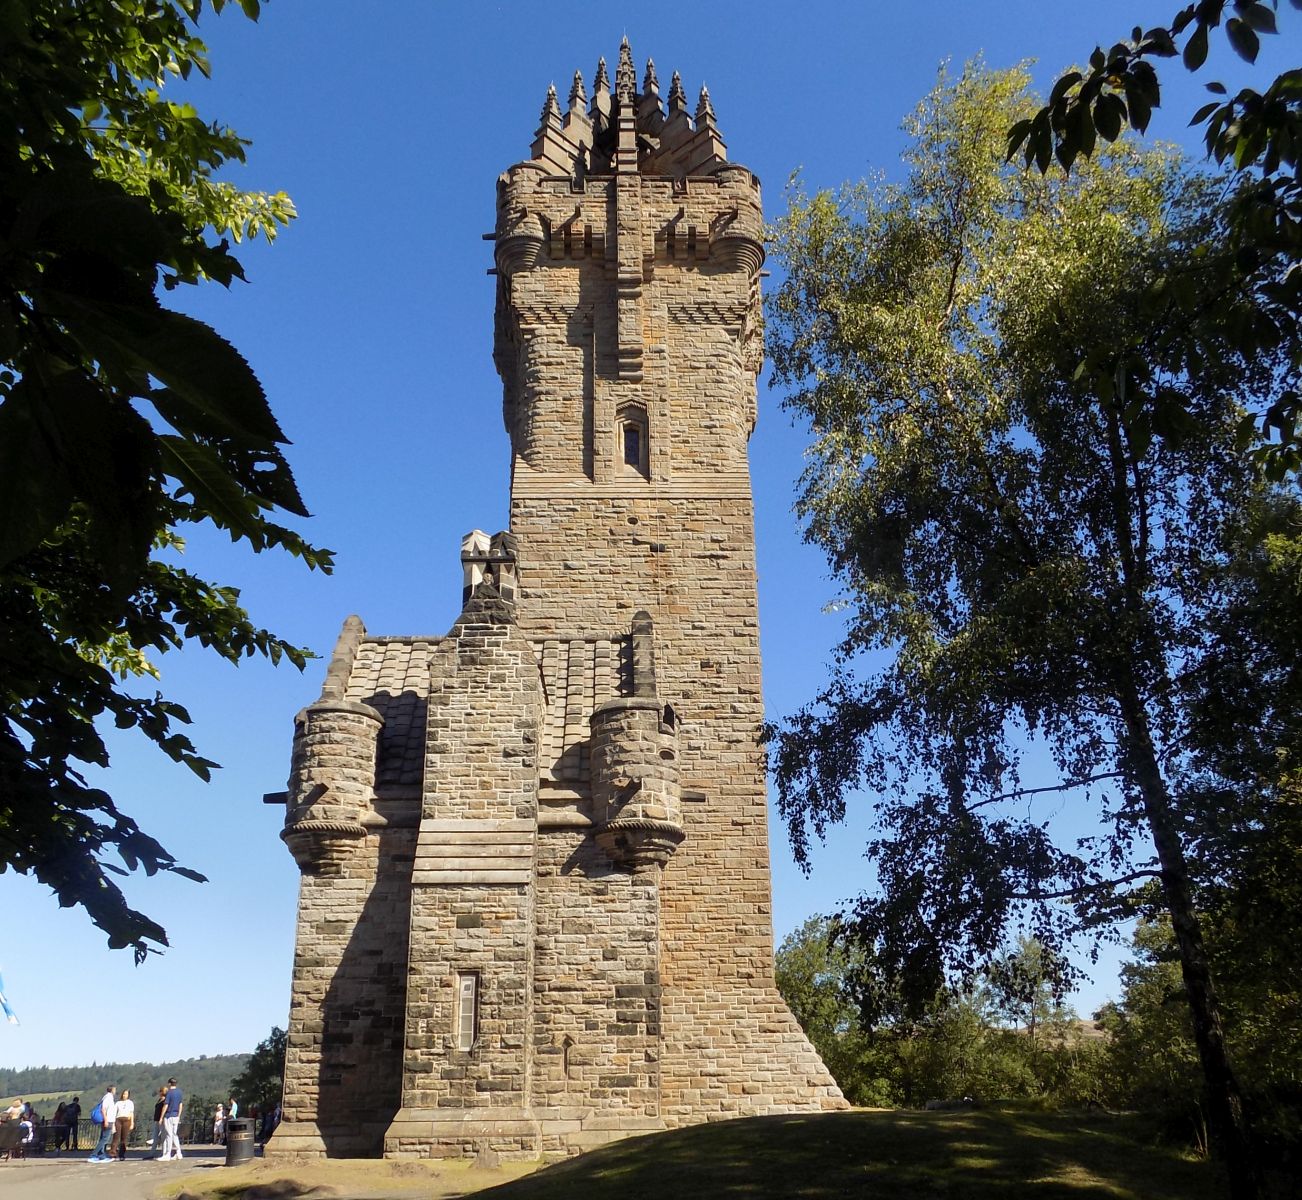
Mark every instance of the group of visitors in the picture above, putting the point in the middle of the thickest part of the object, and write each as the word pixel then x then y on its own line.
pixel 115 1116
pixel 22 1128
pixel 114 1119
pixel 220 1116
pixel 18 1125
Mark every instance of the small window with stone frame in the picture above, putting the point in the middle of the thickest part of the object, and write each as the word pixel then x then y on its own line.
pixel 632 446
pixel 467 1013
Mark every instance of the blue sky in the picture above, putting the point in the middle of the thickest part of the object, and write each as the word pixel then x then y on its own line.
pixel 370 324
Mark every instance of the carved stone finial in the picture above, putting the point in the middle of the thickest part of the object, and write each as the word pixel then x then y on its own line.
pixel 601 83
pixel 578 97
pixel 677 97
pixel 625 74
pixel 704 109
pixel 551 109
pixel 650 84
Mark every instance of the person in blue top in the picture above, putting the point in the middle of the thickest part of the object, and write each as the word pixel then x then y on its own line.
pixel 108 1118
pixel 174 1103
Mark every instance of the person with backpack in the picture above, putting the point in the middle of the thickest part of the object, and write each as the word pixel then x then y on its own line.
pixel 105 1115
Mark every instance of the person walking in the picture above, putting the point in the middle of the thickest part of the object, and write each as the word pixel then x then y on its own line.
pixel 108 1112
pixel 159 1133
pixel 124 1123
pixel 173 1104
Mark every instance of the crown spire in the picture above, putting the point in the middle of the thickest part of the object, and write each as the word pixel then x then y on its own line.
pixel 625 74
pixel 622 130
pixel 704 109
pixel 551 109
pixel 677 97
pixel 578 97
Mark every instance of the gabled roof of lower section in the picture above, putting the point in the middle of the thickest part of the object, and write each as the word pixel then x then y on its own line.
pixel 392 675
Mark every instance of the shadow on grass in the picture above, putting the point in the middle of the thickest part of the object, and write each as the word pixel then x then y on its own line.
pixel 279 1189
pixel 977 1155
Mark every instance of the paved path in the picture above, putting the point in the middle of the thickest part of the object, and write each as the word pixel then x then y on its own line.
pixel 69 1176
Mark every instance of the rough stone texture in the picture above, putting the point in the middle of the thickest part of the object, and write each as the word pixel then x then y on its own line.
pixel 564 798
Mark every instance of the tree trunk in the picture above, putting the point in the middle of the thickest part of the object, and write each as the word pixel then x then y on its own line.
pixel 1225 1101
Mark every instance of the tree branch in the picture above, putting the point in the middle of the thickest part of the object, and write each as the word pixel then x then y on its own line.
pixel 1086 887
pixel 1065 786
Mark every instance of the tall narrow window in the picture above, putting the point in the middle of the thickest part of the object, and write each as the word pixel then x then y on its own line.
pixel 632 446
pixel 467 1010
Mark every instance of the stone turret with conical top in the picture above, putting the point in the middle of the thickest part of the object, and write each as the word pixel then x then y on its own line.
pixel 332 772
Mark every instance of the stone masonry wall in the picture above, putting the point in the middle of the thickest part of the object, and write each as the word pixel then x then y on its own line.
pixel 596 545
pixel 472 909
pixel 597 998
pixel 344 1049
pixel 346 1019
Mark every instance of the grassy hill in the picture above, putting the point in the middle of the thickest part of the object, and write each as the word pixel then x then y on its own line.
pixel 975 1155
pixel 988 1154
pixel 209 1074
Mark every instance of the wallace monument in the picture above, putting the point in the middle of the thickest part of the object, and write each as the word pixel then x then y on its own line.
pixel 535 903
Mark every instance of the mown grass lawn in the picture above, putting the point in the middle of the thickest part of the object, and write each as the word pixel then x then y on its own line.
pixel 968 1155
pixel 1005 1153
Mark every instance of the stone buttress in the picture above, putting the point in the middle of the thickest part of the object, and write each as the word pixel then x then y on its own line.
pixel 537 917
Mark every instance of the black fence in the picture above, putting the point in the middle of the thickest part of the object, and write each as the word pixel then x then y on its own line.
pixel 196 1130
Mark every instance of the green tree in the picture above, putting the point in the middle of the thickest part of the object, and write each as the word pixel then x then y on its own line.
pixel 1021 989
pixel 816 974
pixel 947 1050
pixel 1152 1052
pixel 262 1081
pixel 121 423
pixel 1260 135
pixel 1043 562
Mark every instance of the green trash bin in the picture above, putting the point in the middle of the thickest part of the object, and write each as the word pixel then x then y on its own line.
pixel 239 1141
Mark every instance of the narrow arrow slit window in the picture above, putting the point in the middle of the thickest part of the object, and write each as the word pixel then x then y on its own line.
pixel 467 1010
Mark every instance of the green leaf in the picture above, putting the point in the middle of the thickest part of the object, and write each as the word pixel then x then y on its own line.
pixel 1260 16
pixel 1138 110
pixel 1043 150
pixel 35 491
pixel 1195 49
pixel 187 873
pixel 111 457
pixel 1158 43
pixel 1203 113
pixel 66 440
pixel 1109 112
pixel 1017 134
pixel 202 474
pixel 1063 86
pixel 192 359
pixel 1244 40
pixel 1217 88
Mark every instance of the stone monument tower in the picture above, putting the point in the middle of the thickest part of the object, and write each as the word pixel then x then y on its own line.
pixel 535 909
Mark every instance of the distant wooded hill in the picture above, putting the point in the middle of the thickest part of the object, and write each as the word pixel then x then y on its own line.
pixel 207 1075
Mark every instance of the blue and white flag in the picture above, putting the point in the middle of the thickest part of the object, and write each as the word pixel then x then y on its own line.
pixel 10 1016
